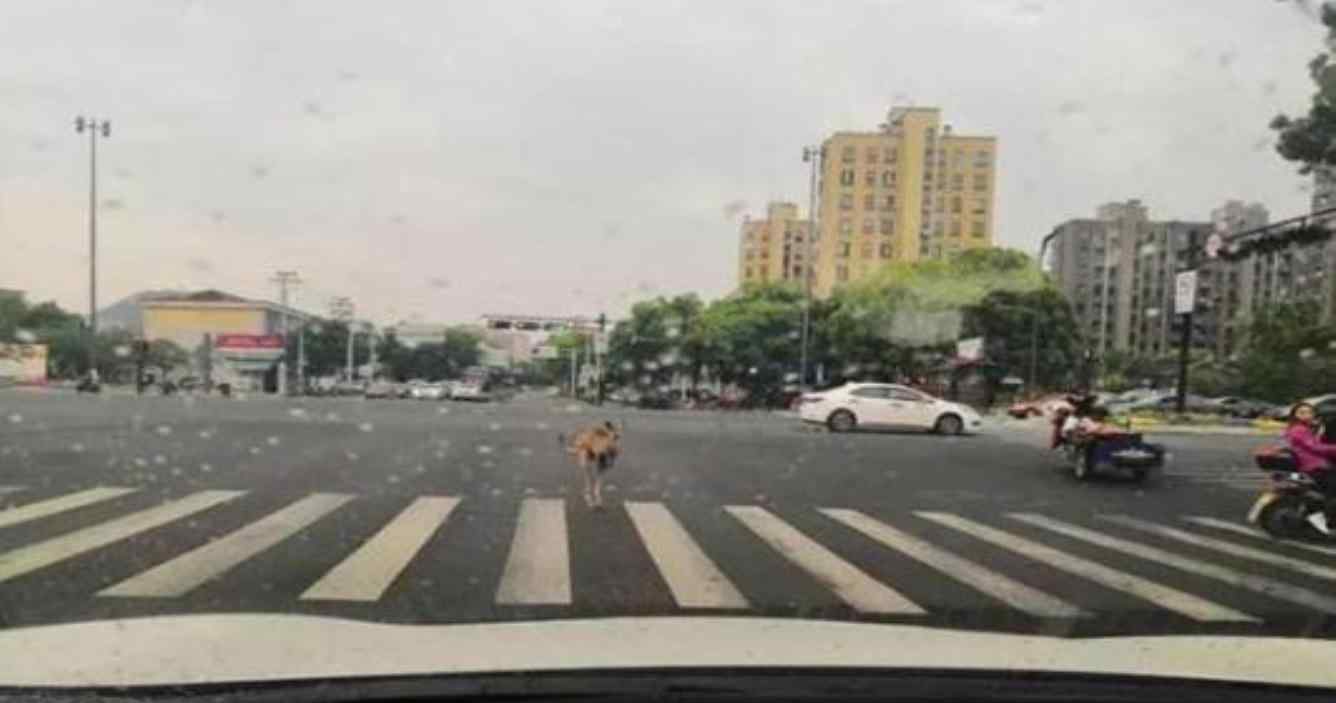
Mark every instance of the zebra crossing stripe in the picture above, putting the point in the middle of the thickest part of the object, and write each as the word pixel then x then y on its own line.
pixel 1163 596
pixel 371 569
pixel 198 566
pixel 1236 550
pixel 850 583
pixel 42 554
pixel 538 570
pixel 1255 534
pixel 1258 584
pixel 59 504
pixel 1009 591
pixel 696 582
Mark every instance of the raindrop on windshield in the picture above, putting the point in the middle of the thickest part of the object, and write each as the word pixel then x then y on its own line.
pixel 298 413
pixel 484 449
pixel 25 336
pixel 272 441
pixel 205 434
pixel 366 427
pixel 206 468
pixel 495 427
pixel 164 430
pixel 77 448
pixel 255 451
pixel 15 418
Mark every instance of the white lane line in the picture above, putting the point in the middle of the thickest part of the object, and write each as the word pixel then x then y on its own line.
pixel 371 569
pixel 59 504
pixel 538 570
pixel 1257 584
pixel 1163 596
pixel 1257 534
pixel 42 554
pixel 1218 545
pixel 184 573
pixel 980 578
pixel 850 583
pixel 696 582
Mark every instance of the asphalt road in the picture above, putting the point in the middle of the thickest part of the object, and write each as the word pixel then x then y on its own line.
pixel 416 512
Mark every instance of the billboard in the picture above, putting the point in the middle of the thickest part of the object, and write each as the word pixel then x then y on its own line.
pixel 22 363
pixel 248 341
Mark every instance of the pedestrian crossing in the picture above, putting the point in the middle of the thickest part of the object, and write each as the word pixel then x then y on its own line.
pixel 871 562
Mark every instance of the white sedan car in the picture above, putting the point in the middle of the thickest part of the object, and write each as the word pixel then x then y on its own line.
pixel 885 405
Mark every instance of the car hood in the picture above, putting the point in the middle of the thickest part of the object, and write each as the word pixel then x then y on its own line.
pixel 192 649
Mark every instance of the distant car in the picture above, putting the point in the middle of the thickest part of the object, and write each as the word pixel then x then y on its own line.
pixel 656 400
pixel 467 390
pixel 1235 406
pixel 380 389
pixel 857 405
pixel 431 391
pixel 349 388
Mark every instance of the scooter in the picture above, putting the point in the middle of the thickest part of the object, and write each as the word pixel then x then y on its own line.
pixel 1087 453
pixel 1283 508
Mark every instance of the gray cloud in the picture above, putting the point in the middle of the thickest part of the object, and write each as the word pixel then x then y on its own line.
pixel 285 136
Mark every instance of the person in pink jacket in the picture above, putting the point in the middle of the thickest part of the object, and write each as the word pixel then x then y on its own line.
pixel 1315 458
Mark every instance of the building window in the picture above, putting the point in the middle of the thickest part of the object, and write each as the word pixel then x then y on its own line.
pixel 938 228
pixel 955 205
pixel 870 202
pixel 765 273
pixel 848 154
pixel 847 177
pixel 797 272
pixel 846 226
pixel 958 181
pixel 886 250
pixel 750 255
pixel 976 228
pixel 868 250
pixel 955 227
pixel 980 207
pixel 981 181
pixel 888 155
pixel 847 201
pixel 870 179
pixel 872 153
pixel 748 272
pixel 958 158
pixel 888 178
pixel 842 273
pixel 887 226
pixel 869 225
pixel 980 159
pixel 844 249
pixel 888 203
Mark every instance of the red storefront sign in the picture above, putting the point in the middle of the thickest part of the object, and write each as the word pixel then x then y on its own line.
pixel 248 341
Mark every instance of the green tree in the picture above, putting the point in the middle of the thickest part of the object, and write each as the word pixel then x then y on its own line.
pixel 1288 354
pixel 1007 320
pixel 1310 140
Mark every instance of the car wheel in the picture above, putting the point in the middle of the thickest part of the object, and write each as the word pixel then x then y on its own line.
pixel 949 425
pixel 841 421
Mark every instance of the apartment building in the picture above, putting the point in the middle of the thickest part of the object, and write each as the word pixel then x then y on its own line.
pixel 911 189
pixel 1118 270
pixel 776 248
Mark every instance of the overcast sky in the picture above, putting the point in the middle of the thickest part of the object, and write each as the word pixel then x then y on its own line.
pixel 447 159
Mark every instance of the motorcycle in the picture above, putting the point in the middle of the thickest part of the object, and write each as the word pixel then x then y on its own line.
pixel 1089 452
pixel 1283 508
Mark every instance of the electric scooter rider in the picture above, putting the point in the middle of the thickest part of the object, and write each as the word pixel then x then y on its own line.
pixel 1314 458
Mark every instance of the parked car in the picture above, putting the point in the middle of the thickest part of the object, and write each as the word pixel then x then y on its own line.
pixel 433 390
pixel 350 388
pixel 858 405
pixel 467 390
pixel 656 400
pixel 1235 406
pixel 380 389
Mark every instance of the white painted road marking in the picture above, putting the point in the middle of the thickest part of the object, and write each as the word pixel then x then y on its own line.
pixel 538 570
pixel 1009 591
pixel 59 504
pixel 1163 596
pixel 1258 534
pixel 850 583
pixel 696 582
pixel 202 564
pixel 1224 547
pixel 10 489
pixel 42 554
pixel 1239 579
pixel 371 569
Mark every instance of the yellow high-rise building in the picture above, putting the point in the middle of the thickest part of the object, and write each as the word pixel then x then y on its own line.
pixel 774 249
pixel 910 190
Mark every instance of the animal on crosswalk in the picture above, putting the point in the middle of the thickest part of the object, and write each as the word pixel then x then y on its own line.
pixel 595 450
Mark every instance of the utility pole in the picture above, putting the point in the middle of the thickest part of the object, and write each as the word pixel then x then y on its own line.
pixel 1185 302
pixel 284 279
pixel 371 345
pixel 94 127
pixel 600 354
pixel 574 364
pixel 814 156
pixel 1034 322
pixel 343 309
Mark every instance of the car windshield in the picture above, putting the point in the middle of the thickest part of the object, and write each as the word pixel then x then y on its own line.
pixel 341 340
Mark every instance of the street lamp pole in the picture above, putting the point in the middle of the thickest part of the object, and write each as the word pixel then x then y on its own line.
pixel 1034 322
pixel 812 155
pixel 94 127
